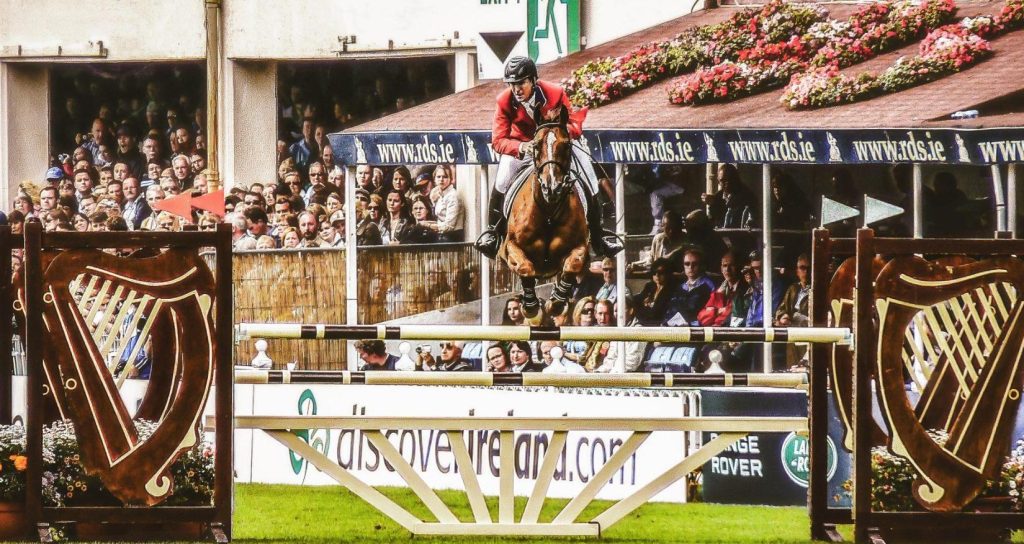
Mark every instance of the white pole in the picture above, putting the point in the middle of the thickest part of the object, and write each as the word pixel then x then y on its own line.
pixel 767 311
pixel 620 261
pixel 918 202
pixel 485 263
pixel 351 267
pixel 997 190
pixel 710 177
pixel 1011 199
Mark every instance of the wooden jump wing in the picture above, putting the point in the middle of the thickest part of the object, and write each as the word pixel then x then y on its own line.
pixel 955 333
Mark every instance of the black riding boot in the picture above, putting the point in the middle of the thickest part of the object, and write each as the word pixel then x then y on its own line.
pixel 605 243
pixel 490 240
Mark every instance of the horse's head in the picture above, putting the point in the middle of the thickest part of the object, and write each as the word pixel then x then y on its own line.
pixel 552 153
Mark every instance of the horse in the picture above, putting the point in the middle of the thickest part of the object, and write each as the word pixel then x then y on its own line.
pixel 547 226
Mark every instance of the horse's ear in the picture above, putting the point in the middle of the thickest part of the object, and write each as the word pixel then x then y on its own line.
pixel 553 115
pixel 563 117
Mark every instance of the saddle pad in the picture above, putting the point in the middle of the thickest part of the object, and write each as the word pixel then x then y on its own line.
pixel 520 181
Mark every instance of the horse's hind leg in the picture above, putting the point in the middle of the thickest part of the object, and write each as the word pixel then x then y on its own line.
pixel 572 266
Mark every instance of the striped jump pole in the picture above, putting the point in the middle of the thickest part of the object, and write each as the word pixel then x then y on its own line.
pixel 538 379
pixel 816 335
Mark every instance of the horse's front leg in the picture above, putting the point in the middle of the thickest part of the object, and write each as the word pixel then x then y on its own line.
pixel 531 304
pixel 572 266
pixel 517 261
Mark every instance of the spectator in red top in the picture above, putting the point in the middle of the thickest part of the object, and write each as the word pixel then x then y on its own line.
pixel 519 111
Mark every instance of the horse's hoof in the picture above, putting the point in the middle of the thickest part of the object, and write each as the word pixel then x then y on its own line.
pixel 536 320
pixel 556 307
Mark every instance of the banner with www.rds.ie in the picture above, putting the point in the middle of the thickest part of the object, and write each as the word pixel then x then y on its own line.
pixel 790 146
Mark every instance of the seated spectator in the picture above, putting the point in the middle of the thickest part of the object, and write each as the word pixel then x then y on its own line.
pixel 497 359
pixel 609 290
pixel 319 188
pixel 793 312
pixel 521 356
pixel 666 244
pixel 513 314
pixel 374 355
pixel 631 357
pixel 81 222
pixel 367 231
pixel 755 317
pixel 652 302
pixel 451 358
pixel 790 208
pixel 700 235
pixel 719 306
pixel 693 292
pixel 266 242
pixel 291 238
pixel 604 316
pixel 399 220
pixel 731 206
pixel 422 213
pixel 309 228
pixel 451 215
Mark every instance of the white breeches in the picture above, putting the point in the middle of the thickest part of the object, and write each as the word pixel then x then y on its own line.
pixel 510 168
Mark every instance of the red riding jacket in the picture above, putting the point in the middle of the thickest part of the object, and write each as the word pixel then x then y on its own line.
pixel 513 125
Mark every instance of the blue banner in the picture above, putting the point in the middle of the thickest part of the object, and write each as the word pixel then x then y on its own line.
pixel 790 146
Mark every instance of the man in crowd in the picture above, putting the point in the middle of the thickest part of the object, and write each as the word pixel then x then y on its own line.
pixel 319 187
pixel 692 294
pixel 309 228
pixel 128 151
pixel 47 199
pixel 83 183
pixel 451 358
pixel 374 355
pixel 136 210
pixel 610 289
pixel 305 149
pixel 182 171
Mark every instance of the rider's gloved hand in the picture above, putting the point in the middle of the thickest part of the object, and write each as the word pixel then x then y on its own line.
pixel 526 149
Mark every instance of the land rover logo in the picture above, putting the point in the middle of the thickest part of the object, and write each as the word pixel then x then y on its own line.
pixel 796 458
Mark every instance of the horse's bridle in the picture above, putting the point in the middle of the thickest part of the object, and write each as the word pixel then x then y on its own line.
pixel 556 206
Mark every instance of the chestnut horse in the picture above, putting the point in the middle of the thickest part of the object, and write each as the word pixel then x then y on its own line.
pixel 547 225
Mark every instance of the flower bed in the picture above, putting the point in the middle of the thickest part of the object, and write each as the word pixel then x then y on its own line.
pixel 945 50
pixel 872 30
pixel 758 49
pixel 65 482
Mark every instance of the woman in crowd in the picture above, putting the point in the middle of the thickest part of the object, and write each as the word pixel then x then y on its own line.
pixel 286 166
pixel 334 203
pixel 266 242
pixel 422 213
pixel 513 314
pixel 399 221
pixel 451 215
pixel 375 212
pixel 401 181
pixel 652 301
pixel 496 359
pixel 336 177
pixel 290 238
pixel 521 356
pixel 731 206
pixel 367 231
pixel 582 316
pixel 81 222
pixel 667 243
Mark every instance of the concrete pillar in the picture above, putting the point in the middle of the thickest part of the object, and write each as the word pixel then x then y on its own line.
pixel 24 126
pixel 465 72
pixel 249 123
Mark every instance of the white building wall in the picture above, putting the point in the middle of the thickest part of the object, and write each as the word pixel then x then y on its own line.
pixel 257 34
pixel 24 116
pixel 131 30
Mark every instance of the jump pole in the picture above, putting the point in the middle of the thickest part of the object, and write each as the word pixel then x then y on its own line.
pixel 321 331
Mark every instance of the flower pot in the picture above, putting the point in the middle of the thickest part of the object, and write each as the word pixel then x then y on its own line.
pixel 12 521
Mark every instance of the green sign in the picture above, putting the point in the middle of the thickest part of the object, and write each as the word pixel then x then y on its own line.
pixel 552 28
pixel 796 458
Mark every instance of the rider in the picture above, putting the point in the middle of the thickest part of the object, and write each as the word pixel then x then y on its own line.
pixel 520 107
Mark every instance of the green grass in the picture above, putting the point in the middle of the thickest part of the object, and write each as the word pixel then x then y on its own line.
pixel 281 513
